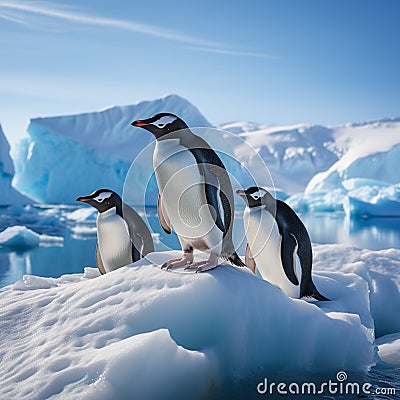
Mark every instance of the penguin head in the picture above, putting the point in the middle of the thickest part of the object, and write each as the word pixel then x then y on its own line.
pixel 255 197
pixel 103 200
pixel 161 124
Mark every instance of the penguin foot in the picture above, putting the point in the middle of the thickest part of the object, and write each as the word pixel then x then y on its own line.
pixel 187 259
pixel 203 266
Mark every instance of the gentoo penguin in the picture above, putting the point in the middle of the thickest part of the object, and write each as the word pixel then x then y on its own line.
pixel 196 197
pixel 122 236
pixel 278 244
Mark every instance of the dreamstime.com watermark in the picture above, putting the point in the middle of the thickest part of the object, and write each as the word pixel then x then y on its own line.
pixel 340 386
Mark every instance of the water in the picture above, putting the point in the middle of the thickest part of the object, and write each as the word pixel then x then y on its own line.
pixel 78 251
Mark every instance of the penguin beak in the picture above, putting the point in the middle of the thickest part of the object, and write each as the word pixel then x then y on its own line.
pixel 241 193
pixel 83 199
pixel 139 123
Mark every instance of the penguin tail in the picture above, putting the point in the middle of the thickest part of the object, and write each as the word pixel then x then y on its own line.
pixel 313 292
pixel 235 260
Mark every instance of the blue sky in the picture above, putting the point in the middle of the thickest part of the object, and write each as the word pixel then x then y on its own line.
pixel 276 62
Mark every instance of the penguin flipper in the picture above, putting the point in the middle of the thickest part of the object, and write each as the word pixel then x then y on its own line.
pixel 288 255
pixel 213 199
pixel 163 217
pixel 212 191
pixel 249 260
pixel 138 231
pixel 136 255
pixel 99 261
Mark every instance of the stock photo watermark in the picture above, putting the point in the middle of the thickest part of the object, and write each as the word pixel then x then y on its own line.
pixel 339 386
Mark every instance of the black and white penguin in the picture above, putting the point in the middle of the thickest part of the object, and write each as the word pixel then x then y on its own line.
pixel 278 244
pixel 196 197
pixel 122 236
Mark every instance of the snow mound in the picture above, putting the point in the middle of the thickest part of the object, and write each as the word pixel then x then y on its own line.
pixel 379 269
pixel 24 238
pixel 9 195
pixel 142 332
pixel 65 157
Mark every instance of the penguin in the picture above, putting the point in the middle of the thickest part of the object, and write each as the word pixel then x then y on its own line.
pixel 278 244
pixel 195 193
pixel 122 236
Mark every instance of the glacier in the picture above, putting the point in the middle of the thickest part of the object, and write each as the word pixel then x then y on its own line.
pixel 142 332
pixel 8 194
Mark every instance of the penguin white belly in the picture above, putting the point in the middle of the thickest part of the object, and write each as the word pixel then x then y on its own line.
pixel 183 196
pixel 265 244
pixel 114 241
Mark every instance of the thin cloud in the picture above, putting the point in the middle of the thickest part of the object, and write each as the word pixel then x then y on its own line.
pixel 26 13
pixel 229 52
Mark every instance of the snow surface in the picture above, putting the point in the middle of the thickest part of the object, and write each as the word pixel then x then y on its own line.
pixel 8 194
pixel 142 332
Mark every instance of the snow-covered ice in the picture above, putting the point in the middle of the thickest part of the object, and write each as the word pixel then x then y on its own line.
pixel 142 332
pixel 379 269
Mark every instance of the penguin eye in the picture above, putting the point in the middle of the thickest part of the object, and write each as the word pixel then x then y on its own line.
pixel 255 196
pixel 103 196
pixel 161 125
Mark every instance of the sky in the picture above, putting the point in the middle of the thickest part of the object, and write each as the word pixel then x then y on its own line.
pixel 273 62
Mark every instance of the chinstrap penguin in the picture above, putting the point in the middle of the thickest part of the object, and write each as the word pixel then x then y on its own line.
pixel 122 235
pixel 278 244
pixel 196 197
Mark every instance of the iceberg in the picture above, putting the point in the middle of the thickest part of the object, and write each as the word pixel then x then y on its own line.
pixel 9 195
pixel 365 181
pixel 149 333
pixel 357 197
pixel 21 237
pixel 370 151
pixel 66 156
pixel 389 349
